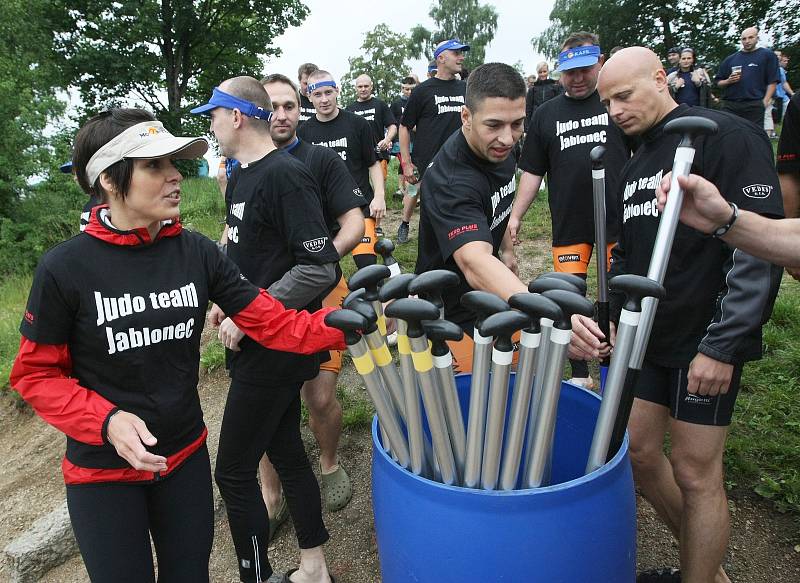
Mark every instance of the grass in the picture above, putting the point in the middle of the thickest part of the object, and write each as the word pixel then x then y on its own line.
pixel 763 453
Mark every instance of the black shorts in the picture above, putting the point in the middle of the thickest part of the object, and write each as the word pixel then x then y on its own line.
pixel 667 386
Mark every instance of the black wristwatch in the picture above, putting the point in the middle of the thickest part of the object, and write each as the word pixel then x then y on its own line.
pixel 720 231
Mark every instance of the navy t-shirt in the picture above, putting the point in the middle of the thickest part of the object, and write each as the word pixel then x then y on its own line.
pixel 689 93
pixel 467 199
pixel 759 69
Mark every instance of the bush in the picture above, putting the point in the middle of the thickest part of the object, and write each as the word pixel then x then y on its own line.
pixel 47 214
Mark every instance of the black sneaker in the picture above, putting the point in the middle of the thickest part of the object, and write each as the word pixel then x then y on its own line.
pixel 402 233
pixel 662 575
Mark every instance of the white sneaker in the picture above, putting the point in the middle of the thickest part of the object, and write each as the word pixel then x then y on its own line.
pixel 391 339
pixel 586 383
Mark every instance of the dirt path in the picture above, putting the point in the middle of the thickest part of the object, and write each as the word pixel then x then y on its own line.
pixel 763 544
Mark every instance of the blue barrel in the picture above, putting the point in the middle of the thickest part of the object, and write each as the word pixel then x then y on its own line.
pixel 580 529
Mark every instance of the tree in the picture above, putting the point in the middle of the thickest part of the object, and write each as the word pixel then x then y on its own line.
pixel 384 57
pixel 28 84
pixel 711 27
pixel 469 21
pixel 165 54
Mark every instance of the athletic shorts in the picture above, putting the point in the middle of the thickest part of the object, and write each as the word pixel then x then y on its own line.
pixel 384 168
pixel 575 258
pixel 462 353
pixel 367 245
pixel 334 300
pixel 667 386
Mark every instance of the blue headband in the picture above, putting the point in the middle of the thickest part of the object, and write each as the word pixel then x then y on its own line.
pixel 318 84
pixel 221 99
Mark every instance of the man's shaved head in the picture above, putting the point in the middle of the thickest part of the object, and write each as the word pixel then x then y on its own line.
pixel 363 78
pixel 633 86
pixel 749 39
pixel 363 85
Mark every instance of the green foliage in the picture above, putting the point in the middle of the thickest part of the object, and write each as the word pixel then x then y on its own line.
pixel 148 50
pixel 384 57
pixel 28 84
pixel 711 27
pixel 13 296
pixel 469 21
pixel 213 356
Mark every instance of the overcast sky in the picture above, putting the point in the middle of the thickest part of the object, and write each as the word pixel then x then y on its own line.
pixel 333 32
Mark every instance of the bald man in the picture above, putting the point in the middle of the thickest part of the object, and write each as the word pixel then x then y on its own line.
pixel 709 324
pixel 749 78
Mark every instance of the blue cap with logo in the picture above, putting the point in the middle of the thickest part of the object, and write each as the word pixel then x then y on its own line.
pixel 221 99
pixel 66 167
pixel 449 45
pixel 577 57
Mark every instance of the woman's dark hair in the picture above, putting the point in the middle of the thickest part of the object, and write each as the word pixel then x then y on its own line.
pixel 96 133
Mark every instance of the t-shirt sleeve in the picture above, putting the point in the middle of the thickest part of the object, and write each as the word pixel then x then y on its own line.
pixel 388 117
pixel 724 70
pixel 342 190
pixel 49 313
pixel 773 69
pixel 457 215
pixel 226 286
pixel 534 158
pixel 367 143
pixel 753 186
pixel 299 211
pixel 789 144
pixel 413 108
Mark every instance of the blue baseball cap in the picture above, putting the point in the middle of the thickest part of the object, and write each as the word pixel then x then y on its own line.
pixel 221 99
pixel 577 57
pixel 432 67
pixel 66 167
pixel 449 45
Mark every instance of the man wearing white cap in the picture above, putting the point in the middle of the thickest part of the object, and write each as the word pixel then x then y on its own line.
pixel 561 134
pixel 278 238
pixel 434 108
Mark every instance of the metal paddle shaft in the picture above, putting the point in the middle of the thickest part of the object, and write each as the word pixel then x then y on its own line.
pixel 438 332
pixel 689 127
pixel 544 428
pixel 482 304
pixel 601 242
pixel 535 306
pixel 350 323
pixel 501 325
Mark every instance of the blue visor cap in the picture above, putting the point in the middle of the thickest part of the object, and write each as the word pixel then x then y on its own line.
pixel 432 67
pixel 221 99
pixel 578 57
pixel 66 167
pixel 449 45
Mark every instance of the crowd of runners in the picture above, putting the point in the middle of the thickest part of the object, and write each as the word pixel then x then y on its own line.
pixel 110 346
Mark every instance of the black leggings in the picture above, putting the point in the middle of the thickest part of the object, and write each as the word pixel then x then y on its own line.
pixel 113 523
pixel 261 418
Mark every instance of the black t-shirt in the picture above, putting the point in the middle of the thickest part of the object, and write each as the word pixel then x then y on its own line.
pixel 379 116
pixel 350 136
pixel 307 110
pixel 435 109
pixel 275 222
pixel 789 144
pixel 339 190
pixel 467 199
pixel 132 317
pixel 561 134
pixel 694 279
pixel 759 69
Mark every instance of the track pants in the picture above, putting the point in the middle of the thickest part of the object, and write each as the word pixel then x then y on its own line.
pixel 113 523
pixel 261 418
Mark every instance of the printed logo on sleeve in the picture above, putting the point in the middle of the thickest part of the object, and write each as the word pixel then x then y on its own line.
pixel 461 230
pixel 757 190
pixel 357 192
pixel 315 245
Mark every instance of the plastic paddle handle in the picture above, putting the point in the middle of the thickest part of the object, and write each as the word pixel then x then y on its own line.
pixel 349 322
pixel 502 326
pixel 365 309
pixel 596 156
pixel 355 295
pixel 536 306
pixel 483 304
pixel 690 127
pixel 544 284
pixel 396 287
pixel 570 303
pixel 413 311
pixel 369 277
pixel 438 332
pixel 575 280
pixel 433 282
pixel 636 287
pixel 385 248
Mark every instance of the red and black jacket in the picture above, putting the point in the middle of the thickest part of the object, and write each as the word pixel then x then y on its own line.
pixel 113 322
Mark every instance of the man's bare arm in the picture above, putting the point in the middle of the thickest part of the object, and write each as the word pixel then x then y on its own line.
pixel 351 230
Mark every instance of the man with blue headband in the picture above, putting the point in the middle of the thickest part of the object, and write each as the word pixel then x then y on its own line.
pixel 561 134
pixel 278 238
